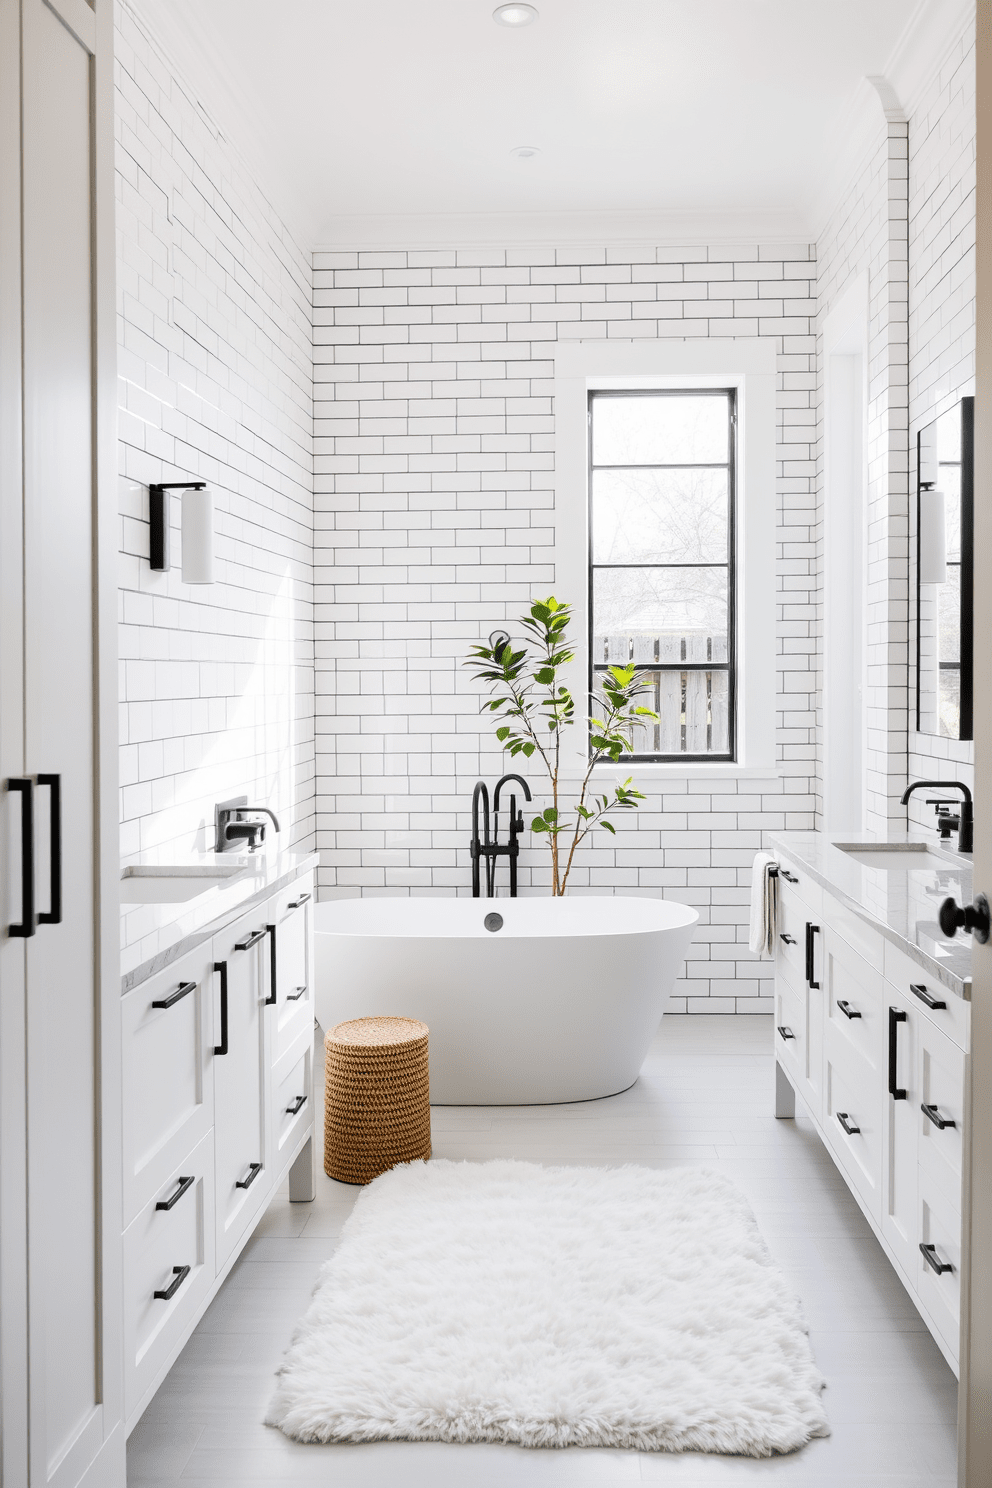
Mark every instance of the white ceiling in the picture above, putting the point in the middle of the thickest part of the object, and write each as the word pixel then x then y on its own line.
pixel 379 120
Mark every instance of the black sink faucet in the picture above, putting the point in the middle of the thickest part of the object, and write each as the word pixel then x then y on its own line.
pixel 482 847
pixel 234 828
pixel 963 823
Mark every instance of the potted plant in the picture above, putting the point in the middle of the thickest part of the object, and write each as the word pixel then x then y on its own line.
pixel 535 707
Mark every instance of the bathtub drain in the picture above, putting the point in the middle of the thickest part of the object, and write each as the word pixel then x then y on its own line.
pixel 493 922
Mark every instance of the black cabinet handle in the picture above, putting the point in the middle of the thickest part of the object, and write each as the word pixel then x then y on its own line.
pixel 252 940
pixel 847 1124
pixel 270 1001
pixel 27 925
pixel 297 1105
pixel 785 1033
pixel 298 902
pixel 847 1009
pixel 221 967
pixel 253 1171
pixel 789 939
pixel 179 1274
pixel 896 1016
pixel 185 1184
pixel 811 930
pixel 932 1114
pixel 927 998
pixel 183 990
pixel 789 877
pixel 296 994
pixel 53 915
pixel 929 1254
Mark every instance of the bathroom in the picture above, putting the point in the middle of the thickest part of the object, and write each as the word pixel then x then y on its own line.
pixel 362 283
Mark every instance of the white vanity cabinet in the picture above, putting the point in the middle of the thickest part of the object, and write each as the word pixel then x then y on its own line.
pixel 217 1108
pixel 877 1050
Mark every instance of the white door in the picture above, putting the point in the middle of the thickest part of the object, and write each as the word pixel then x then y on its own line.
pixel 241 955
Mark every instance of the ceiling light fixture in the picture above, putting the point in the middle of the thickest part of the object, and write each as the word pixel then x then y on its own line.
pixel 525 152
pixel 514 15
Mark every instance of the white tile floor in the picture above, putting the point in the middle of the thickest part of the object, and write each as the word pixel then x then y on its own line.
pixel 705 1096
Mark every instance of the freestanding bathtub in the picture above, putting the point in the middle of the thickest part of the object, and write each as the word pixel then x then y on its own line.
pixel 559 1003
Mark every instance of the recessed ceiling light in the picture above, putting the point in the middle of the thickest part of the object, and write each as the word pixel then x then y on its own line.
pixel 514 15
pixel 525 152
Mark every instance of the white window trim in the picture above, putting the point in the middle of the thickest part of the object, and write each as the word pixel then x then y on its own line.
pixel 747 364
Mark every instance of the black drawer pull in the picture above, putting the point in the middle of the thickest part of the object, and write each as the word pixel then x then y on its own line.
pixel 185 1184
pixel 811 930
pixel 27 925
pixel 785 1033
pixel 298 902
pixel 932 1114
pixel 847 1009
pixel 183 990
pixel 253 1171
pixel 847 1124
pixel 789 939
pixel 896 1016
pixel 789 877
pixel 179 1275
pixel 53 915
pixel 297 1105
pixel 273 996
pixel 929 1254
pixel 927 999
pixel 296 994
pixel 252 940
pixel 221 967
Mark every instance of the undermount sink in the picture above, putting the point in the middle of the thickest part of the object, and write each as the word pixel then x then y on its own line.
pixel 894 856
pixel 158 884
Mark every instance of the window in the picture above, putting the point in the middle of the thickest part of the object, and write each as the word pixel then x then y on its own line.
pixel 662 479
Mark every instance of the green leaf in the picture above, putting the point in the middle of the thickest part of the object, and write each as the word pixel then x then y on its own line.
pixel 609 827
pixel 550 814
pixel 529 749
pixel 503 732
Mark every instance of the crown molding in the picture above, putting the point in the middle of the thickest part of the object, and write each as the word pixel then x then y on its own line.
pixel 447 230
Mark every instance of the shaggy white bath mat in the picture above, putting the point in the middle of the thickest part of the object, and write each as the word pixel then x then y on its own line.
pixel 553 1307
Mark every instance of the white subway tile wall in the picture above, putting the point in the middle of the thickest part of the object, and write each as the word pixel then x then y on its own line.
pixel 435 519
pixel 215 375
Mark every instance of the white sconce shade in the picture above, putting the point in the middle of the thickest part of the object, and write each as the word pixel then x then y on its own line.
pixel 198 536
pixel 933 541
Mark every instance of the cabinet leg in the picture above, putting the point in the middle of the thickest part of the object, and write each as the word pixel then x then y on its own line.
pixel 303 1175
pixel 785 1096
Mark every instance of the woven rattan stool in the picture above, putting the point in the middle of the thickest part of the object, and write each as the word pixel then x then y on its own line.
pixel 376 1097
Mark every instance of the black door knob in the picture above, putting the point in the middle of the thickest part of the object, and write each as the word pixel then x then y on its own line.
pixel 974 917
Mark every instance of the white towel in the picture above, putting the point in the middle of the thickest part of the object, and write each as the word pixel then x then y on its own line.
pixel 764 903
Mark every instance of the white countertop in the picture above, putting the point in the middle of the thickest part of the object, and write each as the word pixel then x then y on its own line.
pixel 153 935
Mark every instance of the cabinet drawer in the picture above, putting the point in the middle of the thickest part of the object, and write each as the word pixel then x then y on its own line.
pixel 291 1081
pixel 167 1081
pixel 794 880
pixel 156 1243
pixel 954 1018
pixel 790 946
pixel 291 1013
pixel 851 930
pixel 240 1109
pixel 940 1226
pixel 790 1028
pixel 852 1092
pixel 855 1004
pixel 941 1090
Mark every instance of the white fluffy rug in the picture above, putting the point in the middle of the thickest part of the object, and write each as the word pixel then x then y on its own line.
pixel 553 1307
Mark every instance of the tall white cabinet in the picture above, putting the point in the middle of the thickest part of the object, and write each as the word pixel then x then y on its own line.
pixel 60 1209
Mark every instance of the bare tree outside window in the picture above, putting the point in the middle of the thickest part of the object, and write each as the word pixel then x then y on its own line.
pixel 661 570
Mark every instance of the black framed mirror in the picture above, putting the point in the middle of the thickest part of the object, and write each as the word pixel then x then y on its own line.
pixel 944 573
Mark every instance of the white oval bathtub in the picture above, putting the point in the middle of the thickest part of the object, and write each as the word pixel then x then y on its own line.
pixel 559 1004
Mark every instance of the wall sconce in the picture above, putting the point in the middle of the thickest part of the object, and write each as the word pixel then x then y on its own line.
pixel 933 537
pixel 197 529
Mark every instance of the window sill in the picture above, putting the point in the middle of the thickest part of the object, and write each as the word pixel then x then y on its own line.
pixel 673 770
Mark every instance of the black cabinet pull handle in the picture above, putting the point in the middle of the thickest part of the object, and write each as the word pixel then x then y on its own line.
pixel 179 1275
pixel 221 967
pixel 896 1016
pixel 53 915
pixel 847 1124
pixel 847 1009
pixel 297 1105
pixel 932 1114
pixel 185 1184
pixel 298 902
pixel 296 994
pixel 252 940
pixel 785 1033
pixel 929 1254
pixel 928 1000
pixel 811 930
pixel 789 877
pixel 253 1171
pixel 789 939
pixel 270 1001
pixel 183 990
pixel 27 925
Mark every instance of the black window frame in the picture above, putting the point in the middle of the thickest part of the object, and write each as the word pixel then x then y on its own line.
pixel 730 666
